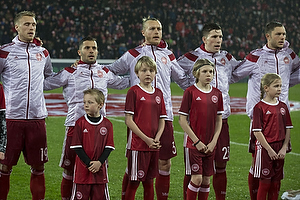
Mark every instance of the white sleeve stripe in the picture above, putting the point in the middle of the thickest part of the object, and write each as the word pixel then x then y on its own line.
pixel 75 146
pixel 183 113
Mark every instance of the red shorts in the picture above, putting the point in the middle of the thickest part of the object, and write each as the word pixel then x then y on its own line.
pixel 142 165
pixel 223 144
pixel 198 163
pixel 168 148
pixel 28 136
pixel 264 167
pixel 68 155
pixel 90 191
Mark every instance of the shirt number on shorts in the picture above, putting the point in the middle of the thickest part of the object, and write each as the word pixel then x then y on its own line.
pixel 174 148
pixel 226 152
pixel 44 154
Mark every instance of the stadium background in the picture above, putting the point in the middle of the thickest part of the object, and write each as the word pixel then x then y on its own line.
pixel 116 24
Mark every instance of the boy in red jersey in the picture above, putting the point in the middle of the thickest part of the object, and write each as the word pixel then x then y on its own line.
pixel 202 105
pixel 92 142
pixel 145 115
pixel 271 127
pixel 2 124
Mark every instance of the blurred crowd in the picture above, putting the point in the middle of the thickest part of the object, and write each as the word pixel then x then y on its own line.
pixel 117 24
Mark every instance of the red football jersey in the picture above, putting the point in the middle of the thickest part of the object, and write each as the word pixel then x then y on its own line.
pixel 272 120
pixel 202 108
pixel 93 138
pixel 147 108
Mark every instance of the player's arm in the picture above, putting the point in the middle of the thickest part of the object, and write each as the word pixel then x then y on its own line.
pixel 262 140
pixel 122 65
pixel 117 82
pixel 183 122
pixel 59 79
pixel 96 164
pixel 218 127
pixel 82 155
pixel 132 125
pixel 245 68
pixel 178 76
pixel 282 152
pixel 3 136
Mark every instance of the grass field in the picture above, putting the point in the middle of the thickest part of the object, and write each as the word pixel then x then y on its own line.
pixel 237 168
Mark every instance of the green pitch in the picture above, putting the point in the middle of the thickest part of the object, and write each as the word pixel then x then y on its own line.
pixel 237 167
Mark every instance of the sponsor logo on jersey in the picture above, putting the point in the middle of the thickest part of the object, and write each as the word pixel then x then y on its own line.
pixel 164 60
pixel 268 112
pixel 198 99
pixel 214 99
pixel 157 99
pixel 103 130
pixel 38 57
pixel 195 167
pixel 143 99
pixel 85 131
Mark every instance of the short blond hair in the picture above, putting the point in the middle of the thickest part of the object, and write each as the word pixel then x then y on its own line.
pixel 200 63
pixel 22 14
pixel 148 61
pixel 145 19
pixel 99 96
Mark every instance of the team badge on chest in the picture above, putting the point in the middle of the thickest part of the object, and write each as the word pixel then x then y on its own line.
pixel 214 99
pixel 103 131
pixel 164 60
pixel 38 57
pixel 100 73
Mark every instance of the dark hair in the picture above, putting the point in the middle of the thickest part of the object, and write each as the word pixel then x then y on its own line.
pixel 271 26
pixel 209 27
pixel 22 14
pixel 87 38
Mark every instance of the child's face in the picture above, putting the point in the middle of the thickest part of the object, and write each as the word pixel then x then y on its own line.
pixel 274 90
pixel 91 107
pixel 146 74
pixel 206 74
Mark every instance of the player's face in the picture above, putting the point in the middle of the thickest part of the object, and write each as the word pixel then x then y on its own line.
pixel 213 41
pixel 146 74
pixel 152 32
pixel 274 90
pixel 26 28
pixel 206 74
pixel 91 107
pixel 88 52
pixel 276 38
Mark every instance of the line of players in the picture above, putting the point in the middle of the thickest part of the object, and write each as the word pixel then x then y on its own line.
pixel 25 66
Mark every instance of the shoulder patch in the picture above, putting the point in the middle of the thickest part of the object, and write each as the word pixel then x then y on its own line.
pixel 70 69
pixel 134 52
pixel 228 56
pixel 3 54
pixel 172 57
pixel 46 53
pixel 293 55
pixel 252 58
pixel 191 56
pixel 106 69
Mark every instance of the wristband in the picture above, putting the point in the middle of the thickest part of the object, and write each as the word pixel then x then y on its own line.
pixel 196 143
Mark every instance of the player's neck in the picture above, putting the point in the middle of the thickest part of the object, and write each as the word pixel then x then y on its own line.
pixel 203 86
pixel 271 100
pixel 147 87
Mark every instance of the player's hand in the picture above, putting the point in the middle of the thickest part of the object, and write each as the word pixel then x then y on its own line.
pixel 273 155
pixel 75 64
pixel 282 153
pixel 155 144
pixel 2 155
pixel 210 148
pixel 201 147
pixel 94 166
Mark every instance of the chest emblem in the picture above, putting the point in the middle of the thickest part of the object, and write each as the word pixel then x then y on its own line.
pixel 38 57
pixel 164 60
pixel 100 73
pixel 214 99
pixel 103 130
pixel 157 99
pixel 223 61
pixel 282 111
pixel 286 60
